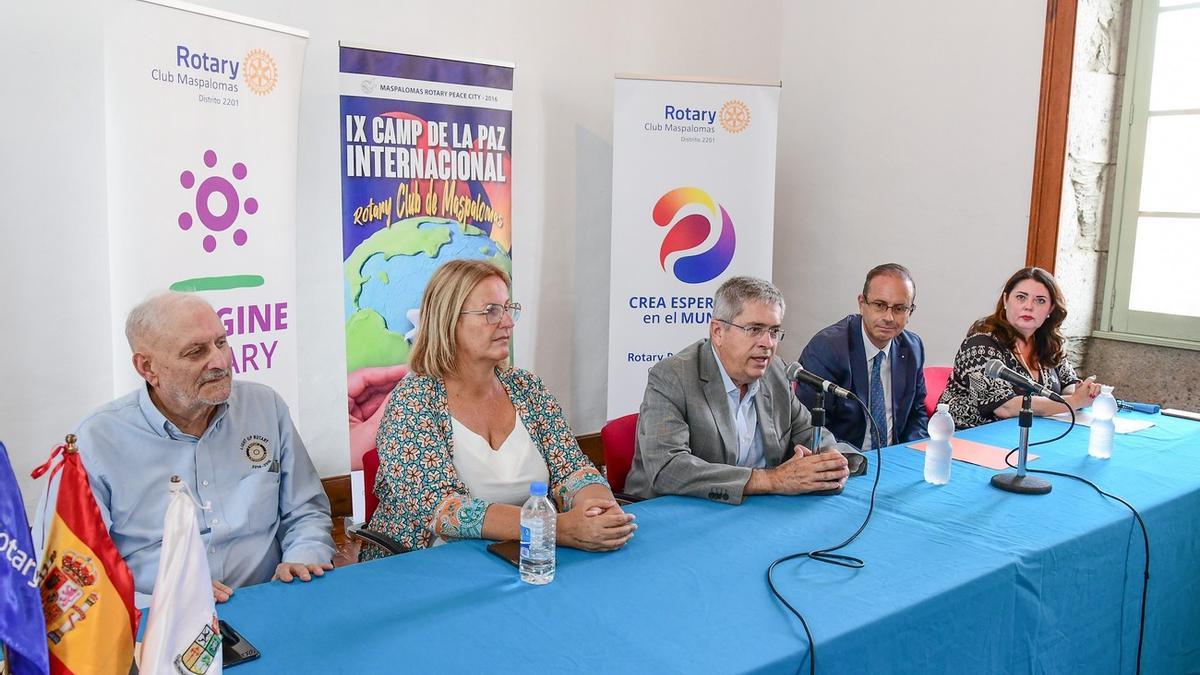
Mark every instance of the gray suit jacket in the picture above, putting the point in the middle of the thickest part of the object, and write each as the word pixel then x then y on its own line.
pixel 686 442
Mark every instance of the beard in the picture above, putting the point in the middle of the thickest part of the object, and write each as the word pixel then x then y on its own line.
pixel 213 376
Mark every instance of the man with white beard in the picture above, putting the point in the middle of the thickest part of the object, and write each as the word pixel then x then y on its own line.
pixel 233 443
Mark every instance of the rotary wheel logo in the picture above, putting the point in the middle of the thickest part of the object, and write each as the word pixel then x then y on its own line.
pixel 734 116
pixel 256 452
pixel 261 73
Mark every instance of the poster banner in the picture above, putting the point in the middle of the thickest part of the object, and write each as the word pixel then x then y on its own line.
pixel 693 204
pixel 201 129
pixel 426 178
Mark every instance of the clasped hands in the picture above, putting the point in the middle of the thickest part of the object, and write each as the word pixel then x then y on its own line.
pixel 595 524
pixel 1085 392
pixel 807 471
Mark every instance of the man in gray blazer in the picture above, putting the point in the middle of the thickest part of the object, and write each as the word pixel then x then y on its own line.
pixel 719 419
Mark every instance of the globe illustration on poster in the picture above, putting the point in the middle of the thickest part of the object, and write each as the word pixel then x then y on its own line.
pixel 385 277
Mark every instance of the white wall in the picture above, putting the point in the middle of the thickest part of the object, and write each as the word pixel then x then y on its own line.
pixel 910 123
pixel 53 267
pixel 906 135
pixel 55 346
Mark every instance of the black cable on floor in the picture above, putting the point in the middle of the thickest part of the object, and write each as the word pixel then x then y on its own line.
pixel 828 555
pixel 1141 524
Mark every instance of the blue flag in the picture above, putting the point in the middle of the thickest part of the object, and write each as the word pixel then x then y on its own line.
pixel 22 626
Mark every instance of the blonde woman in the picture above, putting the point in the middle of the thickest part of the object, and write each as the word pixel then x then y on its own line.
pixel 464 435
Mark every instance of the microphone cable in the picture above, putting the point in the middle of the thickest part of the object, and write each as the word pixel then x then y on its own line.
pixel 1141 524
pixel 829 555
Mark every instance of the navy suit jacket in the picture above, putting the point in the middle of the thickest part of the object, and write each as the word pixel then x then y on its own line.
pixel 837 354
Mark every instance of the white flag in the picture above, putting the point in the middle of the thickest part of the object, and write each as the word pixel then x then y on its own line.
pixel 182 635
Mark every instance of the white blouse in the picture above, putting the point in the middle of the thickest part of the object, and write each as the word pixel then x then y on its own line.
pixel 503 475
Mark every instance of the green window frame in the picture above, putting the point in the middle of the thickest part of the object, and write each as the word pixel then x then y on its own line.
pixel 1120 319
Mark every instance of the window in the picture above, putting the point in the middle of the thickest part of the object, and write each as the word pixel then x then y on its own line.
pixel 1153 282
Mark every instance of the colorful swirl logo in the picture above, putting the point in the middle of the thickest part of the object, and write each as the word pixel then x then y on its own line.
pixel 691 231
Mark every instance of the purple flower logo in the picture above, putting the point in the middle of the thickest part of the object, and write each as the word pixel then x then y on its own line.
pixel 215 191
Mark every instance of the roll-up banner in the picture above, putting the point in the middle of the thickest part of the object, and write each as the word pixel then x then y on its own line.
pixel 693 204
pixel 201 128
pixel 426 178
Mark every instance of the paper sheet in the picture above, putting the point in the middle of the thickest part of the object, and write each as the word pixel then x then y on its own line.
pixel 979 454
pixel 1121 425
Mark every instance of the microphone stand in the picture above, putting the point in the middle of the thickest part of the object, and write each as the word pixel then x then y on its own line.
pixel 818 421
pixel 1019 482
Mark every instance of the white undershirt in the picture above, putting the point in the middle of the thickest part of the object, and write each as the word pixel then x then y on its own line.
pixel 503 475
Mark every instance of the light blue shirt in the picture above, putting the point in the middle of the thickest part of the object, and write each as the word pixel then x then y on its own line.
pixel 745 419
pixel 250 465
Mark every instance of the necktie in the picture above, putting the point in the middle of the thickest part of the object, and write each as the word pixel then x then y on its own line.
pixel 878 405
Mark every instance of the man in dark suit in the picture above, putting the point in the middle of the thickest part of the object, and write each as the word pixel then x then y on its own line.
pixel 873 355
pixel 719 420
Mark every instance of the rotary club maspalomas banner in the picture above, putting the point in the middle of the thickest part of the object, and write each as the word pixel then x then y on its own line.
pixel 693 204
pixel 201 119
pixel 426 178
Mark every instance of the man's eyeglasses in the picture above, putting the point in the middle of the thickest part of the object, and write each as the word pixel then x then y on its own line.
pixel 492 311
pixel 899 310
pixel 756 331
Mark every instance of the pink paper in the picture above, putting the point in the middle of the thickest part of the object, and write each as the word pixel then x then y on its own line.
pixel 979 454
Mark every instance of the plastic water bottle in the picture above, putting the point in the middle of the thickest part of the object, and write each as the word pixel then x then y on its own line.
pixel 537 536
pixel 937 450
pixel 1104 408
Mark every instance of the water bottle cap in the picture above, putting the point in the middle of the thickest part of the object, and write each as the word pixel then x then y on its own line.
pixel 1106 389
pixel 537 489
pixel 943 407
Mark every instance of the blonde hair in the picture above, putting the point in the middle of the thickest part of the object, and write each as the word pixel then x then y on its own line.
pixel 433 351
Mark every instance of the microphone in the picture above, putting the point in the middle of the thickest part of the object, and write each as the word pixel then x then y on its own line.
pixel 1149 408
pixel 995 370
pixel 797 372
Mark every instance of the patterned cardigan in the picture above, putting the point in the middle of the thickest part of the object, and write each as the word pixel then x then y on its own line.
pixel 973 398
pixel 420 494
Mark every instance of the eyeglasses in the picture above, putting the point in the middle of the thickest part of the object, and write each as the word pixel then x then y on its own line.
pixel 756 330
pixel 899 310
pixel 492 311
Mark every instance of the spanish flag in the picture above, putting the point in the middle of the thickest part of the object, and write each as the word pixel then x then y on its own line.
pixel 87 591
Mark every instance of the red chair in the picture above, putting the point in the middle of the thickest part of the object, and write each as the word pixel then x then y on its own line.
pixel 936 379
pixel 360 531
pixel 370 462
pixel 619 437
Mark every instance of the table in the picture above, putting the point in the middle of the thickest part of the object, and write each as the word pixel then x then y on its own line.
pixel 961 578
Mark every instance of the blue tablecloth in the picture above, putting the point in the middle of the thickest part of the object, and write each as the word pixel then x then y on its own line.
pixel 961 578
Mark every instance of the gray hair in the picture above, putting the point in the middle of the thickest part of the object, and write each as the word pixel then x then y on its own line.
pixel 733 295
pixel 149 317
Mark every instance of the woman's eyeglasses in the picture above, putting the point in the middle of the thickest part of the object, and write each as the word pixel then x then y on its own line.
pixel 492 311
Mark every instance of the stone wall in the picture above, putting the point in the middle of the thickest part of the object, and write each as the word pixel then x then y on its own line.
pixel 1147 373
pixel 1139 372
